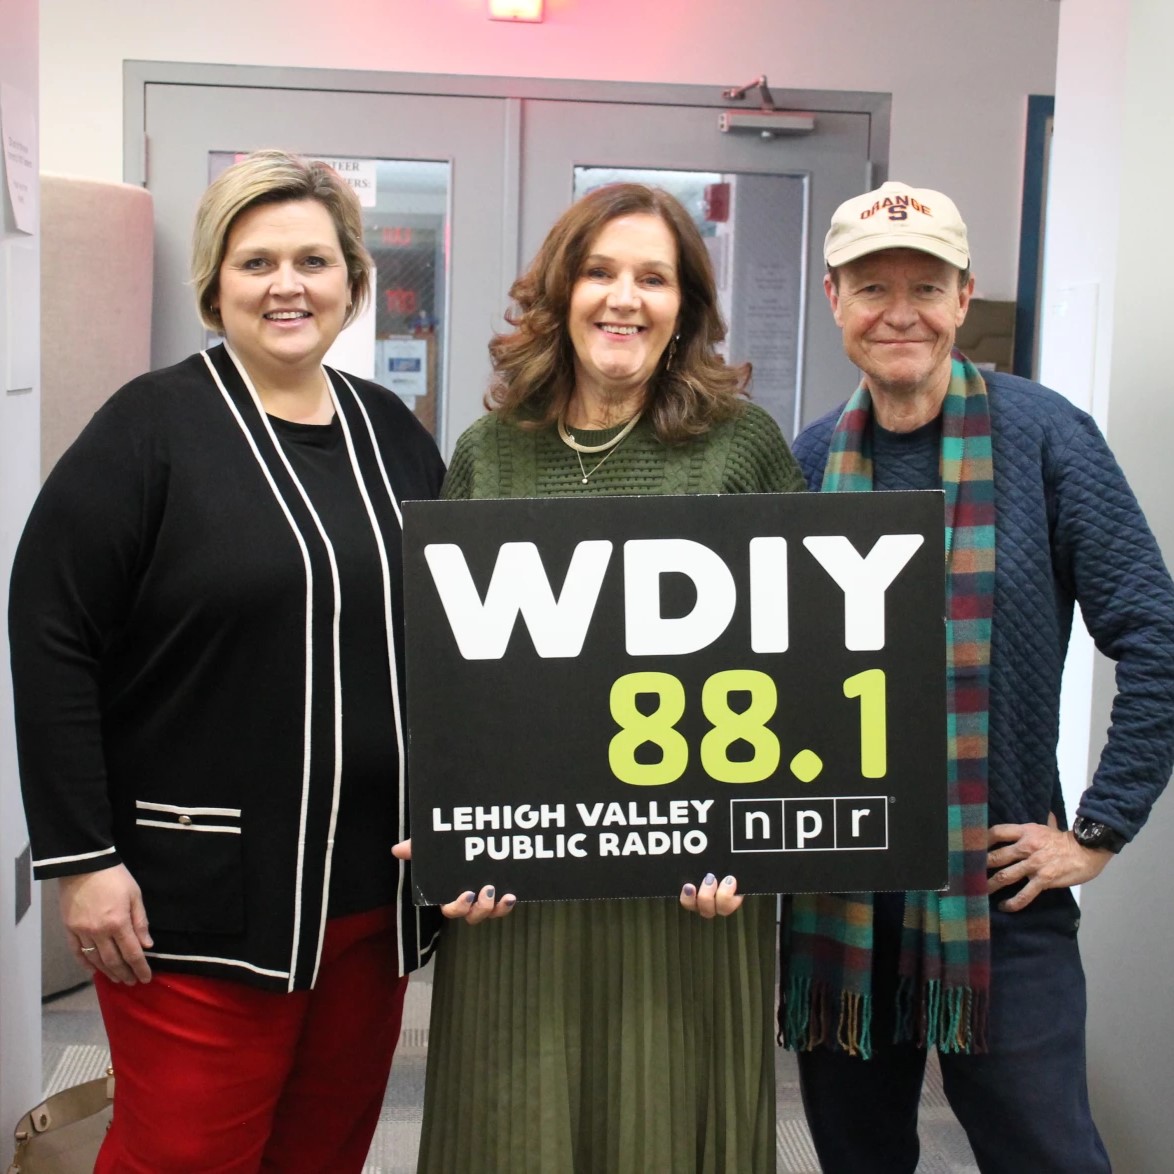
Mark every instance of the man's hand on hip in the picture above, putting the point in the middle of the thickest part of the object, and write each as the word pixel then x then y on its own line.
pixel 1043 855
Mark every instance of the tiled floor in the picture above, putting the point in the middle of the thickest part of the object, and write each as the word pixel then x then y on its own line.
pixel 75 1050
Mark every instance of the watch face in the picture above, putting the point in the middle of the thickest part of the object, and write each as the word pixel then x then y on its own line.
pixel 1096 835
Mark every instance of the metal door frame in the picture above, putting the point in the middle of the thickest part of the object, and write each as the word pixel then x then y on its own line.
pixel 137 75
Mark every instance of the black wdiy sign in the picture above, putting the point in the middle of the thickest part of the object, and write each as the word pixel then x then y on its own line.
pixel 608 697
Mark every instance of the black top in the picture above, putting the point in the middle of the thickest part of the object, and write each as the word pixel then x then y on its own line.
pixel 907 460
pixel 206 633
pixel 362 872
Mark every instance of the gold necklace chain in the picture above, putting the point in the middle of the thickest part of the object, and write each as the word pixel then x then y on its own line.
pixel 607 447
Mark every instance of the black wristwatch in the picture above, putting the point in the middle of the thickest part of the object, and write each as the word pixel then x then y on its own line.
pixel 1096 835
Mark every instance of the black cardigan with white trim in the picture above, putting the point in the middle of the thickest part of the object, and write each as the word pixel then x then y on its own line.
pixel 172 622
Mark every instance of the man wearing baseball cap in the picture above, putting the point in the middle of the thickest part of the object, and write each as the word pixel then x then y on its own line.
pixel 1039 518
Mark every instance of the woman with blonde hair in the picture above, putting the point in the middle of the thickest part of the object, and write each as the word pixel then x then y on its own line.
pixel 610 1035
pixel 206 639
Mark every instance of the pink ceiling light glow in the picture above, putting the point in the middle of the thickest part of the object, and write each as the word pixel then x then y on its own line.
pixel 529 11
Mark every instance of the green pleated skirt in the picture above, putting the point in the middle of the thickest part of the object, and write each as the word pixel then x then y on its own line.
pixel 602 1037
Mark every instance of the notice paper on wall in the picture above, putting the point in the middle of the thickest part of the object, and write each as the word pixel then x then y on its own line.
pixel 18 130
pixel 401 365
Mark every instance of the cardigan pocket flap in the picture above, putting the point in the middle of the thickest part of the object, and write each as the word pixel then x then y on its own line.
pixel 189 861
pixel 225 820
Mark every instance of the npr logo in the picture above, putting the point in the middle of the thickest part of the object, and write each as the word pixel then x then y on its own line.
pixel 796 825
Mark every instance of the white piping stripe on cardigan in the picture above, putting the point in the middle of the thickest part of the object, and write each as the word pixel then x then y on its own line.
pixel 427 947
pixel 143 805
pixel 389 628
pixel 378 455
pixel 297 927
pixel 51 860
pixel 184 827
pixel 218 962
pixel 336 648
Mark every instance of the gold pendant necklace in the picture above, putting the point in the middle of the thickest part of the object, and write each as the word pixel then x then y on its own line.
pixel 607 447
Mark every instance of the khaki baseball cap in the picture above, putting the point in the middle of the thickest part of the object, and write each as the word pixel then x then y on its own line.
pixel 897 216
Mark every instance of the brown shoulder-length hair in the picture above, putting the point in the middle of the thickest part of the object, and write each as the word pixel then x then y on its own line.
pixel 534 364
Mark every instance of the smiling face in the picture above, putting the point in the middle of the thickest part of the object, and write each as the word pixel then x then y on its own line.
pixel 899 311
pixel 624 308
pixel 283 289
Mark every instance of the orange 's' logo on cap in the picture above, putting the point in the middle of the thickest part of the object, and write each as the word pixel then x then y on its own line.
pixel 897 207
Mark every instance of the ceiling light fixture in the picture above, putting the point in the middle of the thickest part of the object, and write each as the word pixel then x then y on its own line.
pixel 529 11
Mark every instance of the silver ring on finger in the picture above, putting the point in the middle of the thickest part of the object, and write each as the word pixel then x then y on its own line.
pixel 88 949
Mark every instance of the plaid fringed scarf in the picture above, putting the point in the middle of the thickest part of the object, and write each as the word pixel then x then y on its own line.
pixel 944 968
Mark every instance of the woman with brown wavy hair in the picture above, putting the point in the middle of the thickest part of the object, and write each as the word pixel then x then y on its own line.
pixel 610 1035
pixel 537 374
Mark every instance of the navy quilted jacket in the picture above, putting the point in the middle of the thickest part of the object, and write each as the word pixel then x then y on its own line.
pixel 1068 530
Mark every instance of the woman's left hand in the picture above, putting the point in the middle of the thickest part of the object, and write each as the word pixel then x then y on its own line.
pixel 471 907
pixel 106 923
pixel 712 899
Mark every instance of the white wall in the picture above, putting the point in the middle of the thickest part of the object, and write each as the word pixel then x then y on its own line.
pixel 1106 329
pixel 959 70
pixel 20 447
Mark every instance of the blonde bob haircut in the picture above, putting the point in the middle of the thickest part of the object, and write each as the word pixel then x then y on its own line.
pixel 692 388
pixel 275 177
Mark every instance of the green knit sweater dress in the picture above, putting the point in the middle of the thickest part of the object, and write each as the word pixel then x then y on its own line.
pixel 607 1037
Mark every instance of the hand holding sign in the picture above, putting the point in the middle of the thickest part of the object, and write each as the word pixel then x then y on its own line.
pixel 469 906
pixel 712 899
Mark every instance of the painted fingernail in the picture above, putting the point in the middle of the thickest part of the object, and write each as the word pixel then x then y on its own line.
pixel 689 891
pixel 709 879
pixel 510 902
pixel 470 897
pixel 489 891
pixel 727 882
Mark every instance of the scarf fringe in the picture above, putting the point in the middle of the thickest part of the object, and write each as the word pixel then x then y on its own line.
pixel 808 1019
pixel 951 1020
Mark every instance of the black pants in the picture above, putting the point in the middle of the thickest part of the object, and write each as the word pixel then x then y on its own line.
pixel 1024 1104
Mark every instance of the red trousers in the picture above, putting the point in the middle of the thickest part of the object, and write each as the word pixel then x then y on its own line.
pixel 215 1077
